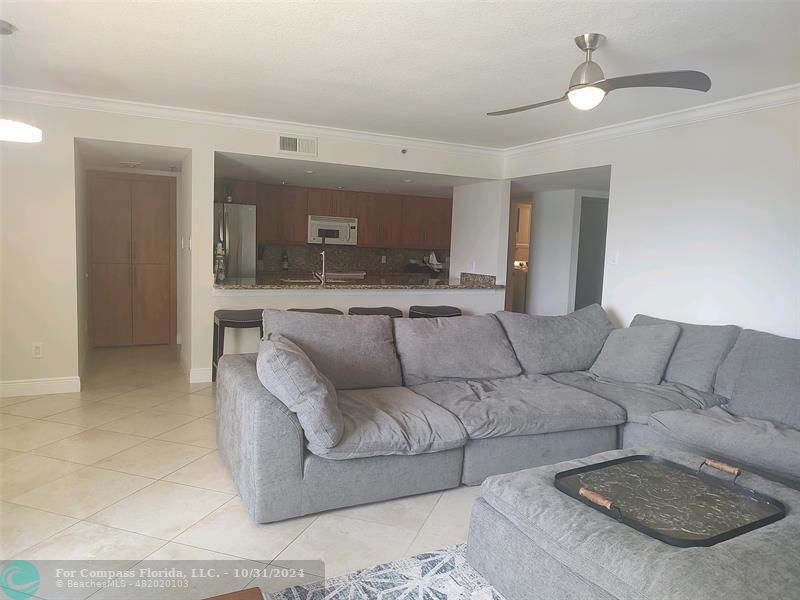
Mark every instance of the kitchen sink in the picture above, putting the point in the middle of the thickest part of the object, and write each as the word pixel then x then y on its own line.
pixel 346 275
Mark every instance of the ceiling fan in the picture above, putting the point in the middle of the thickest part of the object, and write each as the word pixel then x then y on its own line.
pixel 589 85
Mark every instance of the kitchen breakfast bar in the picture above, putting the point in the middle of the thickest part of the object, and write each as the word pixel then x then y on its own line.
pixel 472 294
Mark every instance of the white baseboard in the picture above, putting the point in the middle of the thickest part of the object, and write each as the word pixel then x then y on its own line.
pixel 200 375
pixel 40 387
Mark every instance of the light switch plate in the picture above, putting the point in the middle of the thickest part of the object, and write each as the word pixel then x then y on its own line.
pixel 37 350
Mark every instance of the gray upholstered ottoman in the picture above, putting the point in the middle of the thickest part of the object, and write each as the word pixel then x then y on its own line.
pixel 533 542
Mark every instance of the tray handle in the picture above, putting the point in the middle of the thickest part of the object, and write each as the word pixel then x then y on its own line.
pixel 722 466
pixel 596 498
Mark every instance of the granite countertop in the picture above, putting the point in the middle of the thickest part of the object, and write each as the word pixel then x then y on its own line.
pixel 399 281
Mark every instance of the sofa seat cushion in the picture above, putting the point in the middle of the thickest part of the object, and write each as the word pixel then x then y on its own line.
pixel 640 400
pixel 354 352
pixel 470 347
pixel 392 420
pixel 698 353
pixel 524 405
pixel 753 442
pixel 552 344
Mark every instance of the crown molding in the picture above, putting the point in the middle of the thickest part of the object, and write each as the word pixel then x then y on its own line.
pixel 789 94
pixel 203 117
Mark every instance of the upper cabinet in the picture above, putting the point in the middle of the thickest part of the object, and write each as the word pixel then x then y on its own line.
pixel 426 222
pixel 380 226
pixel 384 220
pixel 281 214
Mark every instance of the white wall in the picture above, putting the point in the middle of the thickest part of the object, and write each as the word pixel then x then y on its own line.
pixel 553 252
pixel 703 218
pixel 479 242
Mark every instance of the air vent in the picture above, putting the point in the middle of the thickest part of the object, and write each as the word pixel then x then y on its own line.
pixel 292 144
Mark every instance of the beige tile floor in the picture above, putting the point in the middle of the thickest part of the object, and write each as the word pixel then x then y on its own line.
pixel 128 469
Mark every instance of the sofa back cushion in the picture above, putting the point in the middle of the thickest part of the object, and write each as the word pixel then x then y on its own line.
pixel 289 375
pixel 768 382
pixel 354 352
pixel 555 344
pixel 471 347
pixel 637 354
pixel 699 352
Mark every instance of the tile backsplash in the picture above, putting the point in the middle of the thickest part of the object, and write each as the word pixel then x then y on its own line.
pixel 306 258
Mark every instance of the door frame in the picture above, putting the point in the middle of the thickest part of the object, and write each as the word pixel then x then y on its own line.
pixel 92 175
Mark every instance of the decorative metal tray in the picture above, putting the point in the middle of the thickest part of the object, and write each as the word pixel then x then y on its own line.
pixel 669 502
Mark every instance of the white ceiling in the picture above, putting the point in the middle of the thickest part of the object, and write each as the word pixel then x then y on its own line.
pixel 100 154
pixel 427 70
pixel 327 175
pixel 596 179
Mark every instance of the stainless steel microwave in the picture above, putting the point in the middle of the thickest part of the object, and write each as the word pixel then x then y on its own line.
pixel 334 230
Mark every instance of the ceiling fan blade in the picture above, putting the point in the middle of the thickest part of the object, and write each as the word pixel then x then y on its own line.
pixel 509 111
pixel 688 80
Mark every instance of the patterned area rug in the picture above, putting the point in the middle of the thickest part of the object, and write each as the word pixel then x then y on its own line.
pixel 438 575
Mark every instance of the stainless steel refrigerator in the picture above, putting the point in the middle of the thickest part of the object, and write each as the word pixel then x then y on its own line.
pixel 235 227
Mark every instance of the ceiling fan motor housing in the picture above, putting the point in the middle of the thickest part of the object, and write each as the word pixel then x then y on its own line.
pixel 586 73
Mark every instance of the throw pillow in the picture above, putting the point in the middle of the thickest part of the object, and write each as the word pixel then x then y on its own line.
pixel 289 375
pixel 637 354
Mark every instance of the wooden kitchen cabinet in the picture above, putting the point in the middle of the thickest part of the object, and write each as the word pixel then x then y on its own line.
pixel 384 220
pixel 380 226
pixel 282 215
pixel 426 222
pixel 240 192
pixel 293 218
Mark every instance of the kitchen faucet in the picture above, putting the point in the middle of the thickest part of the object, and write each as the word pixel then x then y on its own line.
pixel 322 276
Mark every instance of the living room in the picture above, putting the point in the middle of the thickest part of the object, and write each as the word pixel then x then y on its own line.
pixel 136 452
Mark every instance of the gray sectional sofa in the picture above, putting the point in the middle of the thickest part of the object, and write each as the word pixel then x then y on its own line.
pixel 430 404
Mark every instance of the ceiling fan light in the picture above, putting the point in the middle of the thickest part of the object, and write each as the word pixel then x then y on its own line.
pixel 16 131
pixel 586 98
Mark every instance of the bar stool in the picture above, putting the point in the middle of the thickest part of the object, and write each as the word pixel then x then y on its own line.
pixel 238 319
pixel 389 311
pixel 322 311
pixel 432 312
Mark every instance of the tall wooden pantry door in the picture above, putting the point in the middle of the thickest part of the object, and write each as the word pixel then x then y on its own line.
pixel 133 246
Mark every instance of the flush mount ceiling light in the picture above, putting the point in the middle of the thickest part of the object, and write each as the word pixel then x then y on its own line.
pixel 16 131
pixel 588 85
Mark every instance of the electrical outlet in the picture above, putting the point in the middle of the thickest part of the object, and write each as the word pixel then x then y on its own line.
pixel 383 259
pixel 37 350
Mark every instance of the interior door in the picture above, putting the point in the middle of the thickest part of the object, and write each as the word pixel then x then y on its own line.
pixel 112 323
pixel 110 220
pixel 151 304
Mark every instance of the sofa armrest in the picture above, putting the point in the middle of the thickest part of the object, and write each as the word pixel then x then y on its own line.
pixel 259 439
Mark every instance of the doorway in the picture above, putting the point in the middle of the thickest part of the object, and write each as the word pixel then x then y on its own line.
pixel 567 240
pixel 519 237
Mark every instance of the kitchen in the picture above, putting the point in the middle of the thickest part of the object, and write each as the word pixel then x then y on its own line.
pixel 375 233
